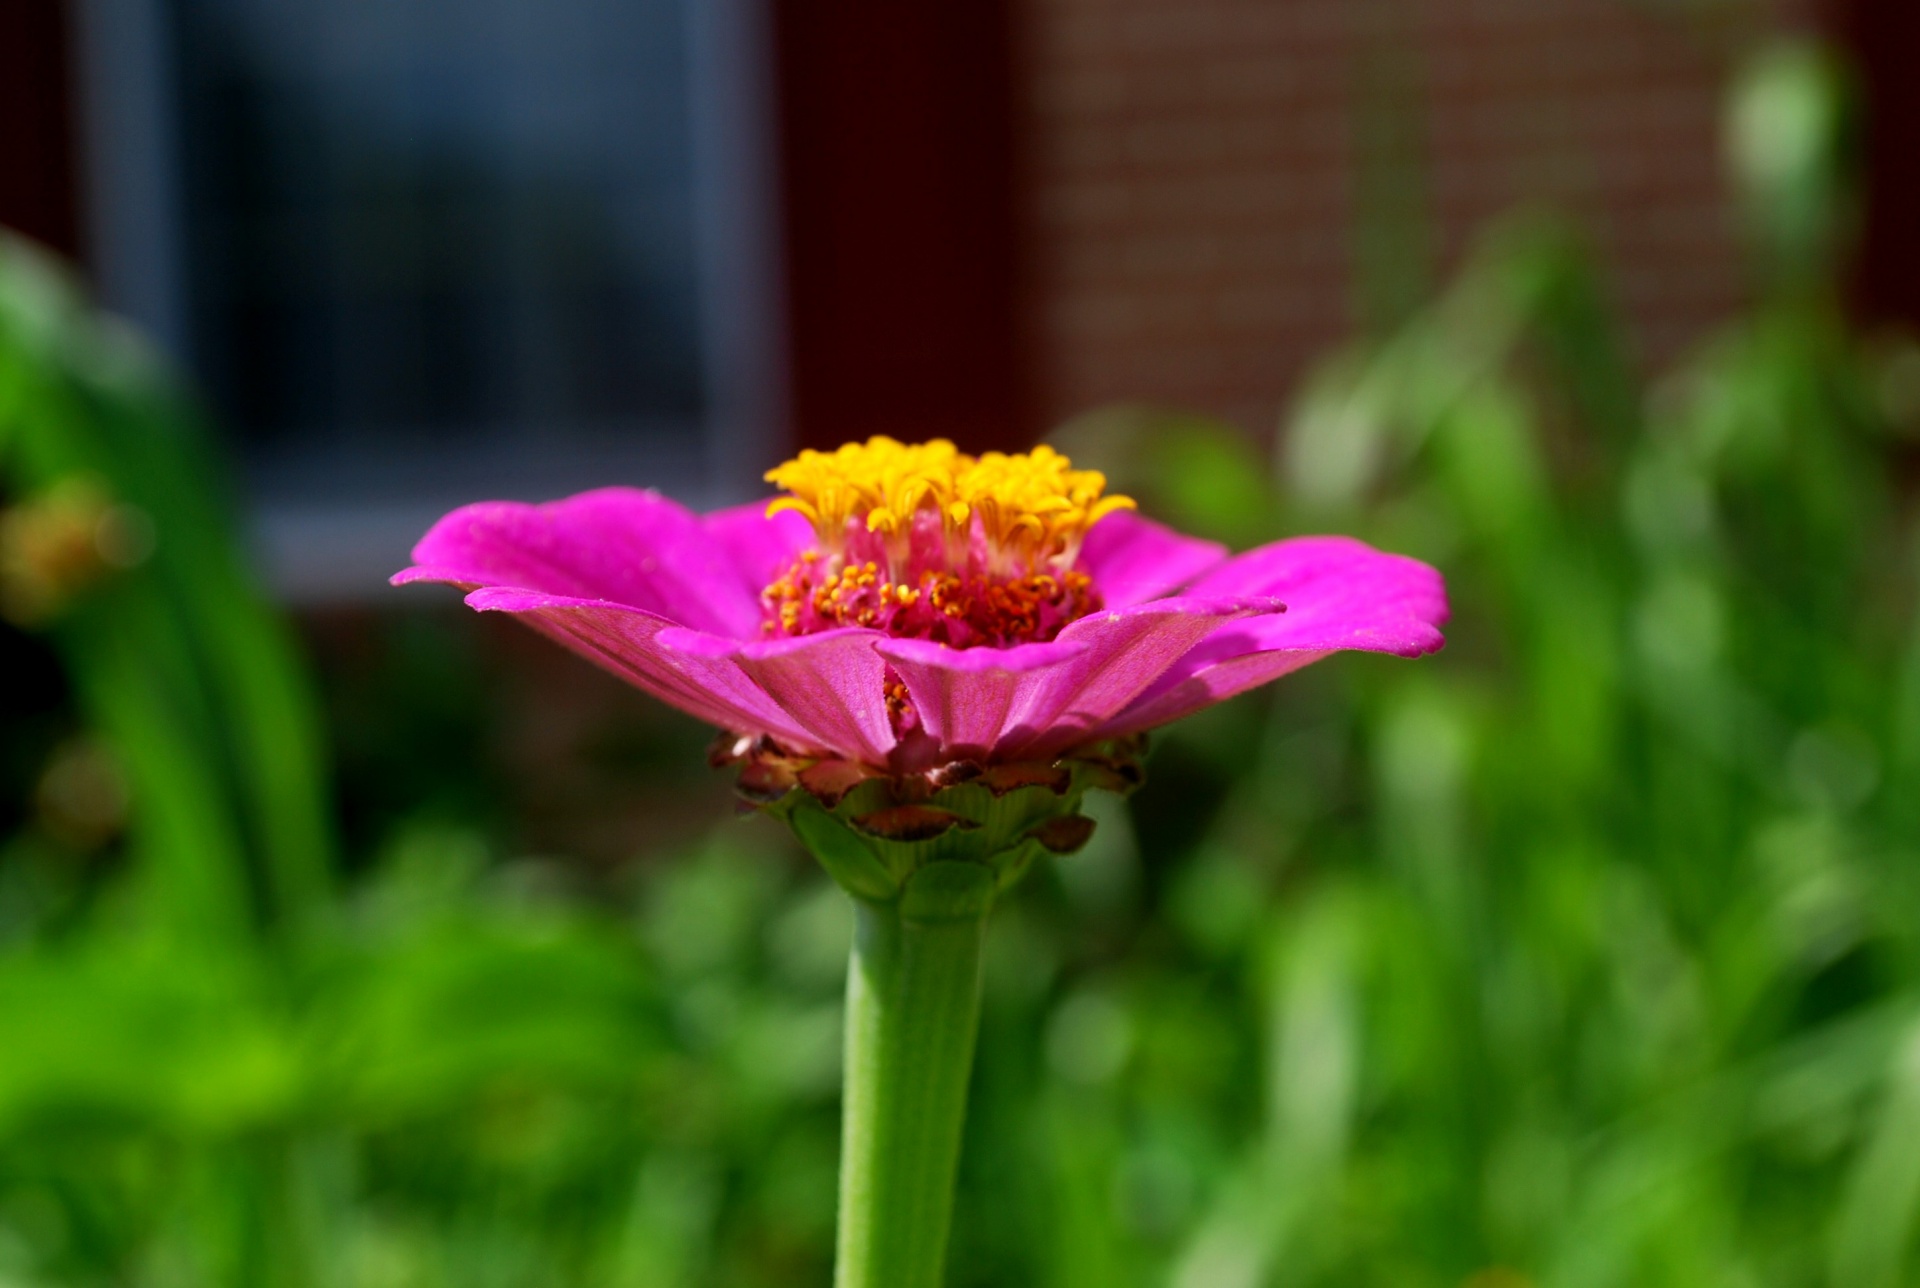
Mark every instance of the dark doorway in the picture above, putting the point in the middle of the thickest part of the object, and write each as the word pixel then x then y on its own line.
pixel 902 239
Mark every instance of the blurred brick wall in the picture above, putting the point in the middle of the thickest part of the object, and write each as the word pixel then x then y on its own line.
pixel 1194 190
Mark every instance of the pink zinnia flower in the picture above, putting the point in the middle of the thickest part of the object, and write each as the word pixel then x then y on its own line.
pixel 908 607
pixel 923 660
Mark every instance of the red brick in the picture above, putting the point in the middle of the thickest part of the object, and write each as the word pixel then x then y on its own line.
pixel 1193 197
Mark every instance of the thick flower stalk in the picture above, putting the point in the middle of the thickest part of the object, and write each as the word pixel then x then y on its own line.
pixel 921 660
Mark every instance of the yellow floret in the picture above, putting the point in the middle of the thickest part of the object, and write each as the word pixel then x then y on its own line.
pixel 1033 506
pixel 882 481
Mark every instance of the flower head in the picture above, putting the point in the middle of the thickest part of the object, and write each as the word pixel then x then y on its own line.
pixel 910 613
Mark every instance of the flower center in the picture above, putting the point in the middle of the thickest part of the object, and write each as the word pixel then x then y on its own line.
pixel 925 541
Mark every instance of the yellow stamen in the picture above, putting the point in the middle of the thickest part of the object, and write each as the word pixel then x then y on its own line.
pixel 1033 507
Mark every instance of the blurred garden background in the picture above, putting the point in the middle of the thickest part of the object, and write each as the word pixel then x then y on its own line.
pixel 350 940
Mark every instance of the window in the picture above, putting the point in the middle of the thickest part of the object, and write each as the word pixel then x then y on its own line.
pixel 423 251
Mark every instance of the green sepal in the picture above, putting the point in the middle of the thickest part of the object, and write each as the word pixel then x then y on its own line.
pixel 876 834
pixel 847 858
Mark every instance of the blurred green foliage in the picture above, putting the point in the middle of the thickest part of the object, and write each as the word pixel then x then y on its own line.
pixel 1584 954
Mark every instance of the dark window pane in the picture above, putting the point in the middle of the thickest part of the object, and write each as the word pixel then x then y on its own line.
pixel 421 222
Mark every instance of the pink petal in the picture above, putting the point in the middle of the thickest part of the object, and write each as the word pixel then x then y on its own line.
pixel 1340 594
pixel 1049 695
pixel 1188 692
pixel 1132 560
pixel 1127 651
pixel 628 642
pixel 831 685
pixel 615 545
pixel 968 698
pixel 760 547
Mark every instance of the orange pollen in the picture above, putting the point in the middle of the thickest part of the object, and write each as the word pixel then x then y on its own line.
pixel 960 610
pixel 898 702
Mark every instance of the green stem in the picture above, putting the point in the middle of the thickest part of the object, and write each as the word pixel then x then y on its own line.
pixel 913 1010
